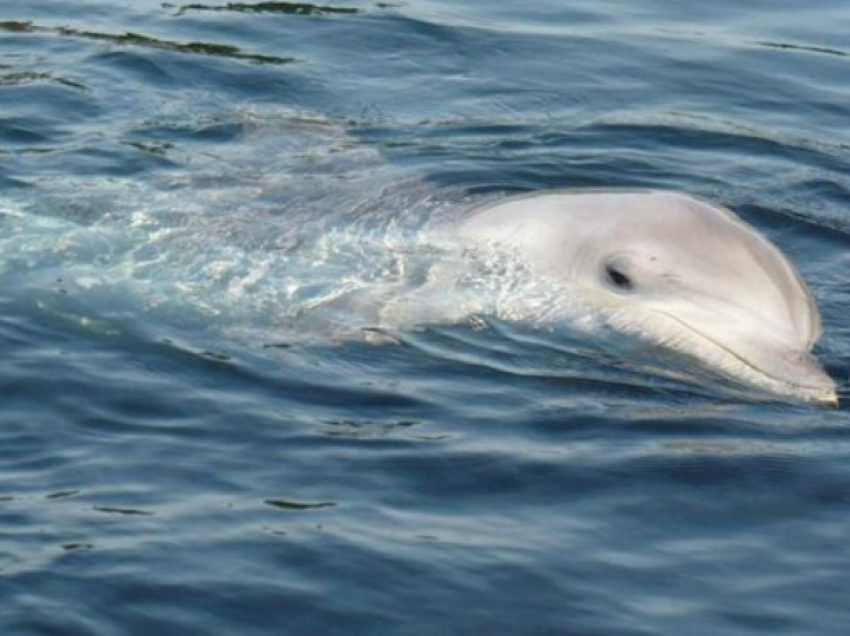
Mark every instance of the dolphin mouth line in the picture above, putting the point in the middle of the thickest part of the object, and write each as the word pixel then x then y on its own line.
pixel 822 395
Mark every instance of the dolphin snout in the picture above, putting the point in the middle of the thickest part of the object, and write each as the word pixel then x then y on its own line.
pixel 800 370
pixel 760 359
pixel 809 374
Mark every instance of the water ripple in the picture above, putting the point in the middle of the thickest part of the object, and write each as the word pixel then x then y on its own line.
pixel 285 8
pixel 145 41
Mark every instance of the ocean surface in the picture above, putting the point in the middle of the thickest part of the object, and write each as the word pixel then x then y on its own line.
pixel 205 428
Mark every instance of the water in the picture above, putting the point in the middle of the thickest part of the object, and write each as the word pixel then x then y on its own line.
pixel 202 203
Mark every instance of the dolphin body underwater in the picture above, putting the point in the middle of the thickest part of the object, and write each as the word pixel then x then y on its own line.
pixel 677 273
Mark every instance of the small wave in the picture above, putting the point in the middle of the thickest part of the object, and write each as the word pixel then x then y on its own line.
pixel 146 41
pixel 285 8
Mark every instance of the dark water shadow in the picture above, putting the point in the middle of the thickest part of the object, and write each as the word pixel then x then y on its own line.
pixel 141 40
pixel 285 8
pixel 804 48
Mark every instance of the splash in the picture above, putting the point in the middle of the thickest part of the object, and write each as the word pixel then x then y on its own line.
pixel 295 229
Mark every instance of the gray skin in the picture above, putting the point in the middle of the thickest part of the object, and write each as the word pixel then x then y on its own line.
pixel 674 271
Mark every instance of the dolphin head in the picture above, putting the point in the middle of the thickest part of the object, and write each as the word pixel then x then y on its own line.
pixel 680 274
pixel 693 278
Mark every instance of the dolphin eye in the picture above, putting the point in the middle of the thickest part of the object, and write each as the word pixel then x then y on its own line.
pixel 618 278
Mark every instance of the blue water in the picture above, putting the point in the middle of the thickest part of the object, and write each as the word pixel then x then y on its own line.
pixel 191 440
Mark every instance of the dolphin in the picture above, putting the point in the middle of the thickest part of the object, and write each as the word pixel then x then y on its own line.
pixel 678 273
